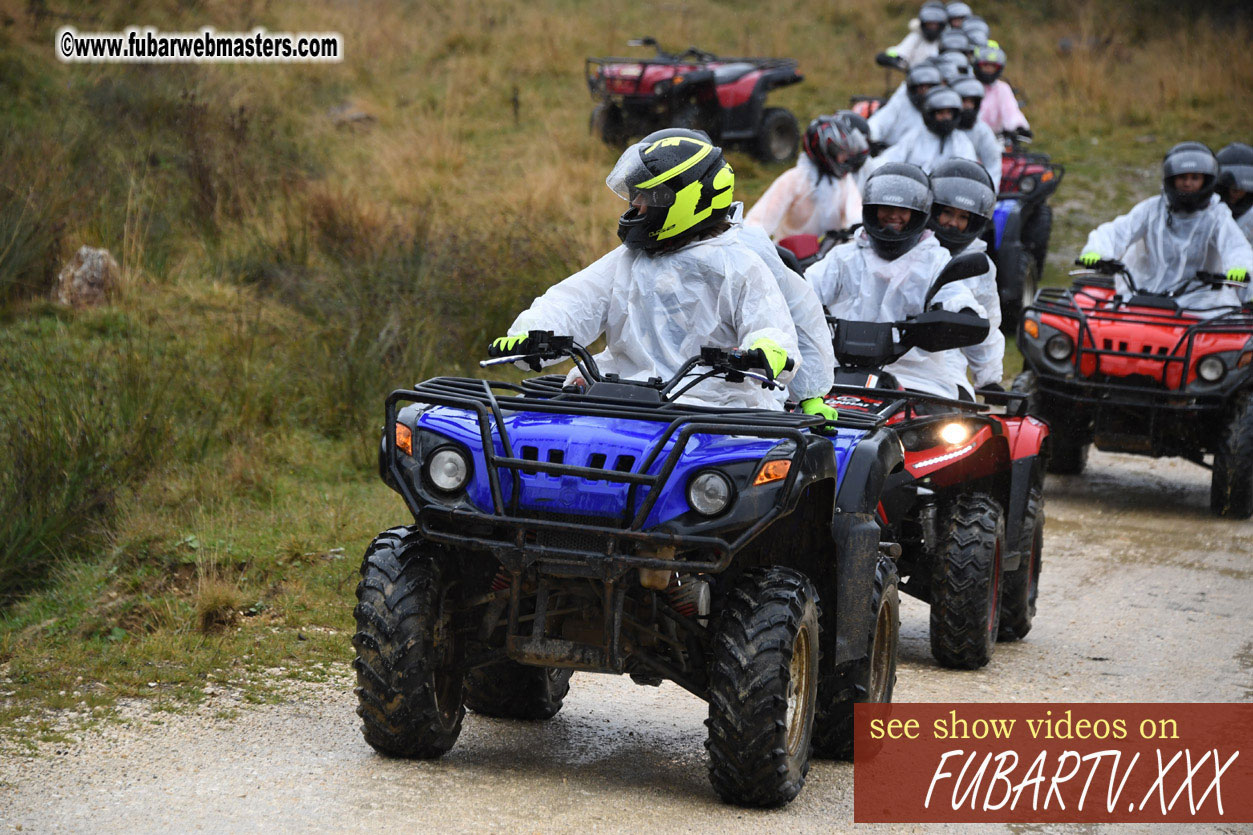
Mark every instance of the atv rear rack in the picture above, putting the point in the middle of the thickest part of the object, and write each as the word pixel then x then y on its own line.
pixel 513 537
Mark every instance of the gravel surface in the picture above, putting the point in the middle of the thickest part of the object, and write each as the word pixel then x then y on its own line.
pixel 1144 597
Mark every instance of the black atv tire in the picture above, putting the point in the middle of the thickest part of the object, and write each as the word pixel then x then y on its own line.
pixel 1068 455
pixel 606 122
pixel 1021 587
pixel 966 580
pixel 410 704
pixel 1231 485
pixel 509 690
pixel 875 676
pixel 1036 233
pixel 763 686
pixel 1028 274
pixel 777 136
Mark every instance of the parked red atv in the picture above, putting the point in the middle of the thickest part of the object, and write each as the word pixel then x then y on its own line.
pixel 964 517
pixel 1134 373
pixel 725 97
pixel 1022 223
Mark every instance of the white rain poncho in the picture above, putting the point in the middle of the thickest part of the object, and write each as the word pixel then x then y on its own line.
pixel 987 359
pixel 926 149
pixel 816 373
pixel 854 283
pixel 988 149
pixel 1162 249
pixel 896 119
pixel 915 48
pixel 804 202
pixel 657 311
pixel 1245 222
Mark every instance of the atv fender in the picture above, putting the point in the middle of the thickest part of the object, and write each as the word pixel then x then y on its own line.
pixel 856 536
pixel 1026 472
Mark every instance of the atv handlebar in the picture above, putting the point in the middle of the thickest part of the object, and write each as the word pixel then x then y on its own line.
pixel 1110 266
pixel 733 365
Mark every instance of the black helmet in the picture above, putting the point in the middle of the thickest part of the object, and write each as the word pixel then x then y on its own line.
pixel 961 184
pixel 923 75
pixel 957 11
pixel 993 55
pixel 974 23
pixel 1235 170
pixel 954 40
pixel 855 122
pixel 1189 158
pixel 947 67
pixel 904 186
pixel 941 98
pixel 931 20
pixel 829 137
pixel 968 87
pixel 958 61
pixel 684 183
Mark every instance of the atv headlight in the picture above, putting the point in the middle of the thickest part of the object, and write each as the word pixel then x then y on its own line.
pixel 447 469
pixel 1211 369
pixel 1059 347
pixel 954 433
pixel 709 492
pixel 1027 184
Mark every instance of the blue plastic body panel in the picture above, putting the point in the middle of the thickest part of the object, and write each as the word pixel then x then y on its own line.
pixel 602 443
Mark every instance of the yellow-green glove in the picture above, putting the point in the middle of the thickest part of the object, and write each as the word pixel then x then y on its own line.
pixel 1238 274
pixel 505 346
pixel 772 355
pixel 818 406
pixel 1089 259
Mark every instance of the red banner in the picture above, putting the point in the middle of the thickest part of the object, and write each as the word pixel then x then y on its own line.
pixel 1053 763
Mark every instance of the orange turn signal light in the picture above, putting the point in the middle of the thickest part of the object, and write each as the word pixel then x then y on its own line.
pixel 773 471
pixel 1031 327
pixel 404 439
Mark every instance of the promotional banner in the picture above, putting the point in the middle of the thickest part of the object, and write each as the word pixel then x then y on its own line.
pixel 1053 763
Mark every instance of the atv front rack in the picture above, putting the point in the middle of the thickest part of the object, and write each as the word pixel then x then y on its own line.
pixel 898 399
pixel 583 548
pixel 1065 302
pixel 592 68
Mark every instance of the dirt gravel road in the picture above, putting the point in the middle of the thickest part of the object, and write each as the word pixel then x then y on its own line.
pixel 1144 598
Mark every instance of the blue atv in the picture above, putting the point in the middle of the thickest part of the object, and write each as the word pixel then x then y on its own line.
pixel 613 528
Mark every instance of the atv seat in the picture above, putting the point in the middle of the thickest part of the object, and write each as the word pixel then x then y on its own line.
pixel 731 72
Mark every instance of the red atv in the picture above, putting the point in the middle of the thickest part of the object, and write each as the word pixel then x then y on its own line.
pixel 964 516
pixel 1134 373
pixel 1022 223
pixel 725 97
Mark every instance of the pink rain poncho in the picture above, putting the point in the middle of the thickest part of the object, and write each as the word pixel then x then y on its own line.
pixel 800 202
pixel 1000 109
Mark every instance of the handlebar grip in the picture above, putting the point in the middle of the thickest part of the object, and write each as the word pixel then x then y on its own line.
pixel 789 365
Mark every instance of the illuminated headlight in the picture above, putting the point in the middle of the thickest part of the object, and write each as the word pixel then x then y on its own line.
pixel 447 469
pixel 1058 347
pixel 709 492
pixel 954 433
pixel 1211 369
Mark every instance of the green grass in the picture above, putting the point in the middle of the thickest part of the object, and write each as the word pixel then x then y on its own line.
pixel 188 477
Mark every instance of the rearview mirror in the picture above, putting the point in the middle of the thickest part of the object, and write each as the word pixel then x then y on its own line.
pixel 940 330
pixel 966 265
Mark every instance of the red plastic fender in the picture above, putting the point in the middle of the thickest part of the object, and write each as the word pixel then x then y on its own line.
pixel 802 246
pixel 1025 435
pixel 740 91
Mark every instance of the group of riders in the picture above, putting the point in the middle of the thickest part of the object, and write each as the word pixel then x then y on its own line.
pixel 916 184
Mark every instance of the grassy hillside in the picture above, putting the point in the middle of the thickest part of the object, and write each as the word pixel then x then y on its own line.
pixel 188 482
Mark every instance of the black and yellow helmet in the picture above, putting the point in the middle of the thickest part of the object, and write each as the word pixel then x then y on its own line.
pixel 681 183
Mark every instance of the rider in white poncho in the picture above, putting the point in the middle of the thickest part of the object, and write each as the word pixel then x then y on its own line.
pixel 937 141
pixel 1167 239
pixel 962 206
pixel 820 193
pixel 883 275
pixel 681 280
pixel 1235 184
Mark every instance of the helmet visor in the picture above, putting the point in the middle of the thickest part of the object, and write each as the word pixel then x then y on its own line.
pixel 631 180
